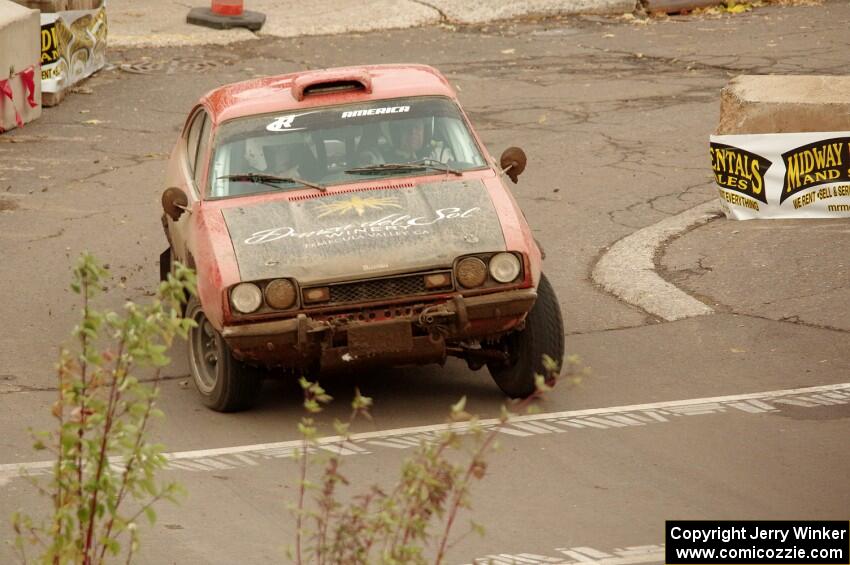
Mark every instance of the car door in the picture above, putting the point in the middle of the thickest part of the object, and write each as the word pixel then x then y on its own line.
pixel 194 145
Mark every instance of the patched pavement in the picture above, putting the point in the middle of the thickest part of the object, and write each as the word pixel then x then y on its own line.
pixel 794 271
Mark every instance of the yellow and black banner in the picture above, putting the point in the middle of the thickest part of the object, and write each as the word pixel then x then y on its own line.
pixel 821 162
pixel 73 46
pixel 739 170
pixel 49 44
pixel 782 175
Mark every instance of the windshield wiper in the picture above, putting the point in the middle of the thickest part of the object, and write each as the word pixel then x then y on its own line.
pixel 414 166
pixel 270 180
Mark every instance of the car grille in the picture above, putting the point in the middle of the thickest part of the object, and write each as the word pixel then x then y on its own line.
pixel 381 289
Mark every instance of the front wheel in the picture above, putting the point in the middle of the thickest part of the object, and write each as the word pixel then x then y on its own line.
pixel 225 385
pixel 543 334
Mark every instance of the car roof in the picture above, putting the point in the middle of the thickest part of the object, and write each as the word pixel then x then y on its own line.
pixel 293 91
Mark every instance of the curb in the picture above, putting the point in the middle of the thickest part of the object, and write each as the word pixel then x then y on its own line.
pixel 285 19
pixel 627 269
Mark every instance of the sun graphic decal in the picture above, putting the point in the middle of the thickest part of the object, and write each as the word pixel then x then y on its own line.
pixel 357 204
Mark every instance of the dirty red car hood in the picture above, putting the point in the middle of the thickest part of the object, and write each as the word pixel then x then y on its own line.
pixel 355 234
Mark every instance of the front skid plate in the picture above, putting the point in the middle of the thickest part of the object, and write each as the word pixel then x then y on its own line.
pixel 381 337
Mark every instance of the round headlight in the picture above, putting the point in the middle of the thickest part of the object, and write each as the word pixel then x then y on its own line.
pixel 280 294
pixel 471 272
pixel 504 267
pixel 246 297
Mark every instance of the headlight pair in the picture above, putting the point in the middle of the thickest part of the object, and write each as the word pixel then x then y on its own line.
pixel 471 272
pixel 247 298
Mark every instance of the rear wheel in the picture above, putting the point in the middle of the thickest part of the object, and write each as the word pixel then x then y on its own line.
pixel 225 385
pixel 543 334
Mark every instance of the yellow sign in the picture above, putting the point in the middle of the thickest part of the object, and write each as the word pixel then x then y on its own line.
pixel 49 44
pixel 814 164
pixel 739 170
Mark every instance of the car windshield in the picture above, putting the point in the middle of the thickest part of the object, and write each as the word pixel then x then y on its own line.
pixel 341 144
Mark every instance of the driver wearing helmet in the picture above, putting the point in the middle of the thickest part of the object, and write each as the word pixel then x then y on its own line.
pixel 413 142
pixel 273 159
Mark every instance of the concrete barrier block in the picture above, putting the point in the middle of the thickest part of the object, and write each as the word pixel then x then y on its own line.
pixel 45 6
pixel 20 55
pixel 479 11
pixel 784 104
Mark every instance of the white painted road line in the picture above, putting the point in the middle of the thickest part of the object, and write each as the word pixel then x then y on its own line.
pixel 578 556
pixel 627 269
pixel 521 426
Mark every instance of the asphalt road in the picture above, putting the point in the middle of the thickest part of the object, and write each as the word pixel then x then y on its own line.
pixel 709 417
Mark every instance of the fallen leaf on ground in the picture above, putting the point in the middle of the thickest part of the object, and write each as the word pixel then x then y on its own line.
pixel 739 8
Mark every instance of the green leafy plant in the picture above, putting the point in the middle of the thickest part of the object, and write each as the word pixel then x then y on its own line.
pixel 105 474
pixel 419 514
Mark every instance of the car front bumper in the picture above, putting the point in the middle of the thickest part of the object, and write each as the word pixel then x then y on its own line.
pixel 415 334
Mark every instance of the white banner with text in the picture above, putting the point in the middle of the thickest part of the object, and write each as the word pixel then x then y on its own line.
pixel 783 175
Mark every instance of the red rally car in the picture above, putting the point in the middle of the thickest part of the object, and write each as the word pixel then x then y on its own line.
pixel 351 218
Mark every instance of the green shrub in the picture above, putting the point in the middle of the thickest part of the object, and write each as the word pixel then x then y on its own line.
pixel 105 476
pixel 420 512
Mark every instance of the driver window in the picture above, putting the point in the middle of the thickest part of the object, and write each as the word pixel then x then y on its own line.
pixel 192 139
pixel 203 144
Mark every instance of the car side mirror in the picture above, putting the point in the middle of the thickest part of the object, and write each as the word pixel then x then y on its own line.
pixel 175 202
pixel 513 162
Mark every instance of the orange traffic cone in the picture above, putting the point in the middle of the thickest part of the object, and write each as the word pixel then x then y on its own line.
pixel 227 7
pixel 225 14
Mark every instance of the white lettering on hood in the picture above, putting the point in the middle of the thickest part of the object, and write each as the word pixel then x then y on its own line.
pixel 388 223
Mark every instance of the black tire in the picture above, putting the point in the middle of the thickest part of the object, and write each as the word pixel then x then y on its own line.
pixel 224 384
pixel 543 335
pixel 165 264
pixel 166 267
